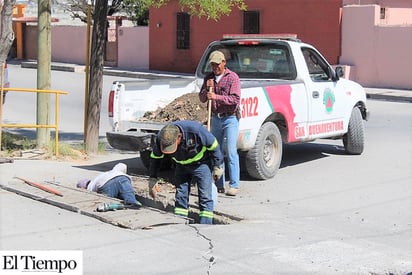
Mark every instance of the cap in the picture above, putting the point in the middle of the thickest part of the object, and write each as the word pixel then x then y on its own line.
pixel 168 138
pixel 216 57
pixel 83 183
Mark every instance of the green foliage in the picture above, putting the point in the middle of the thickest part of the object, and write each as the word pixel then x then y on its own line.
pixel 13 142
pixel 137 11
pixel 210 9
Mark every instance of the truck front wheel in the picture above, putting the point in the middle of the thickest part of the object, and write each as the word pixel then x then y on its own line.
pixel 353 140
pixel 263 160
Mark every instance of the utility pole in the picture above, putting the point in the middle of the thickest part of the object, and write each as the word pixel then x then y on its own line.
pixel 43 70
pixel 87 71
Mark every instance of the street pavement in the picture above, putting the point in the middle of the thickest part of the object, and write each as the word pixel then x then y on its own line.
pixel 238 248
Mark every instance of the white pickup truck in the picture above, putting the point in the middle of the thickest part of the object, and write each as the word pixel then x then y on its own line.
pixel 289 94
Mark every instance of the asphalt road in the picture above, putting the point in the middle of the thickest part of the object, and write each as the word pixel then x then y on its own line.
pixel 324 213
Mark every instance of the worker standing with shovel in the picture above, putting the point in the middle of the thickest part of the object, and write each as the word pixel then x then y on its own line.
pixel 222 89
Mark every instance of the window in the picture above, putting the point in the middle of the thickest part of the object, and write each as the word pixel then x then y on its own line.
pixel 317 66
pixel 183 30
pixel 383 13
pixel 263 61
pixel 251 22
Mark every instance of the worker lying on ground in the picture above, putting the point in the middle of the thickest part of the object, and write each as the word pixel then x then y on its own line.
pixel 114 183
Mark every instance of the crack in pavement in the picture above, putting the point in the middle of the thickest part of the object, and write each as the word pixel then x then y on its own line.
pixel 211 260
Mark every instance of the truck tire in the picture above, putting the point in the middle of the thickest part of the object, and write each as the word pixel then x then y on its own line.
pixel 354 139
pixel 263 160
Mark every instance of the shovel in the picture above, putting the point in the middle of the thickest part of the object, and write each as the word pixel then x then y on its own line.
pixel 209 110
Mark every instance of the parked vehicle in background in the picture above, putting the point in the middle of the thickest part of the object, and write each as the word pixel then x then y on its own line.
pixel 6 83
pixel 289 94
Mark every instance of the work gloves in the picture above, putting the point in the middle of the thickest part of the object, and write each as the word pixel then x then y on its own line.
pixel 217 172
pixel 154 187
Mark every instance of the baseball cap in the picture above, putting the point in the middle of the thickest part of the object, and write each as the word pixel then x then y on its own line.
pixel 168 138
pixel 216 57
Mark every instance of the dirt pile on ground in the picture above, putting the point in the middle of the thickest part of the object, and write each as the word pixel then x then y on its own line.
pixel 185 107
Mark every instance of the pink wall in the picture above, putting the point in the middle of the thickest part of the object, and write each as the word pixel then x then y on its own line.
pixel 379 54
pixel 133 47
pixel 382 3
pixel 69 44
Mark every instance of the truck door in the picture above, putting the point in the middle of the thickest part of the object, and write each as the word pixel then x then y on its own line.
pixel 325 97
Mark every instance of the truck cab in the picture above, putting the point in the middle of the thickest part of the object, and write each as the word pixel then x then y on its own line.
pixel 287 85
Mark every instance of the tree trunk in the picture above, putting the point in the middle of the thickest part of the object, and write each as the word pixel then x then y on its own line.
pixel 6 28
pixel 96 75
pixel 6 40
pixel 43 71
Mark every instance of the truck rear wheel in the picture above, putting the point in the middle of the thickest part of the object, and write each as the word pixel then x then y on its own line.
pixel 354 139
pixel 263 160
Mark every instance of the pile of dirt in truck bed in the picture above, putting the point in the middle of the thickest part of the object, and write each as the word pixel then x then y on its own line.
pixel 185 107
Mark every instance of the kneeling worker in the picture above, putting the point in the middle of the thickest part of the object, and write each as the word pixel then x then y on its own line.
pixel 194 149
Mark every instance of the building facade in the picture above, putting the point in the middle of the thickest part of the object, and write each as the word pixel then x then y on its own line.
pixel 177 40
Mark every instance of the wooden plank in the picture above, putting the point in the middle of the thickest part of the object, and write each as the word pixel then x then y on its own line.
pixel 86 202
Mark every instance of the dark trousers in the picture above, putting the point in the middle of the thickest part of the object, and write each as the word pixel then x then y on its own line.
pixel 202 175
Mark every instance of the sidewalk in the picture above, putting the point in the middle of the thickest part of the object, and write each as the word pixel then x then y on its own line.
pixel 64 174
pixel 397 95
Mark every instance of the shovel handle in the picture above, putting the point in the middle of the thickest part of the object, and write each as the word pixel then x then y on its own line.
pixel 209 110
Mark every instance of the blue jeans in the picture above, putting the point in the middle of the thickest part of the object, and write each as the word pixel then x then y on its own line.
pixel 201 174
pixel 228 127
pixel 120 187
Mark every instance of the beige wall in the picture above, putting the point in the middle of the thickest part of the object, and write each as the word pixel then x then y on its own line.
pixel 133 47
pixel 69 45
pixel 379 54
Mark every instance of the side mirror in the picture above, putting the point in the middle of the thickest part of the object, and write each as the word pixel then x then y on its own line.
pixel 339 71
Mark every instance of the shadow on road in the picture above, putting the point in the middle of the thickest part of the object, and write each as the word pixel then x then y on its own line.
pixel 294 154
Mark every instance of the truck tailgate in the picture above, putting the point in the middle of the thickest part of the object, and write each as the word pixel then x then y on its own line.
pixel 135 140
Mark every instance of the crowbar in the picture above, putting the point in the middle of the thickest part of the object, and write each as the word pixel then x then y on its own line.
pixel 41 186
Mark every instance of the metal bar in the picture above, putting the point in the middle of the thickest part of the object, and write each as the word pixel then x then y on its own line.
pixel 41 186
pixel 28 126
pixel 56 118
pixel 11 89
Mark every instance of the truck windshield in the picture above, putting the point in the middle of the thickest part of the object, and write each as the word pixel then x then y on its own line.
pixel 262 61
